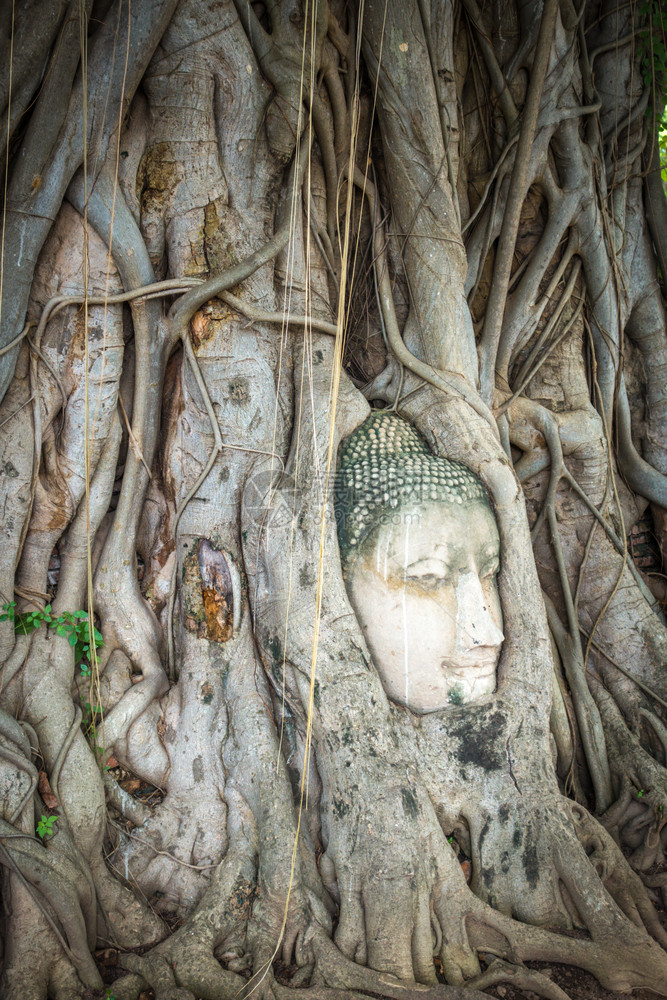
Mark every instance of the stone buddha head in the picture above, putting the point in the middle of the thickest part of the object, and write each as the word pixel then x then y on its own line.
pixel 420 554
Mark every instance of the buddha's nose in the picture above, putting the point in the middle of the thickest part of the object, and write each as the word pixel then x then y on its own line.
pixel 476 621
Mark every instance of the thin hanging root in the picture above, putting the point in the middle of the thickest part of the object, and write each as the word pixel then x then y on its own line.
pixel 451 383
pixel 530 373
pixel 498 81
pixel 618 544
pixel 487 188
pixel 627 673
pixel 182 312
pixel 588 716
pixel 492 331
pixel 180 316
pixel 160 290
pixel 17 340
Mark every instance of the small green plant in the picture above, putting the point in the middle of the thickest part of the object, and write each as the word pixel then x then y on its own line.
pixel 72 625
pixel 109 995
pixel 46 825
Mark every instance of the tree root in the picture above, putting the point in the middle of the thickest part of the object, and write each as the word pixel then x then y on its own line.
pixel 518 976
pixel 184 965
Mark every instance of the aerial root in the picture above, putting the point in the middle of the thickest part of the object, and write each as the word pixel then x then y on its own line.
pixel 623 884
pixel 60 890
pixel 184 971
pixel 338 973
pixel 500 971
pixel 184 967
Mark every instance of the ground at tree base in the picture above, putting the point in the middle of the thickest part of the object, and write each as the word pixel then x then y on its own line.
pixel 575 982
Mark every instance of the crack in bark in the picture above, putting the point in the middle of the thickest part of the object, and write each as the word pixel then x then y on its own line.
pixel 510 762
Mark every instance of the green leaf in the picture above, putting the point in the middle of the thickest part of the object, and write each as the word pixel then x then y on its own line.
pixel 45 826
pixel 71 638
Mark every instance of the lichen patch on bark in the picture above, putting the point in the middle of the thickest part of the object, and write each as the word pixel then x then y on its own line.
pixel 208 593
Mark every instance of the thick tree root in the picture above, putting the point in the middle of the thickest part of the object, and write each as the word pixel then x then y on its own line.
pixel 521 977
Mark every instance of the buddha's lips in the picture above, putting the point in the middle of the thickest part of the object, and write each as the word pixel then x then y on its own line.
pixel 482 666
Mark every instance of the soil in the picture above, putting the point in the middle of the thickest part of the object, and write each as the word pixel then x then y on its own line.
pixel 578 985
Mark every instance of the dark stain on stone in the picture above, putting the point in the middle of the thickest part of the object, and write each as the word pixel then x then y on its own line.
pixel 530 861
pixel 483 832
pixel 239 392
pixel 517 837
pixel 275 649
pixel 504 813
pixel 340 808
pixel 206 693
pixel 480 740
pixel 410 807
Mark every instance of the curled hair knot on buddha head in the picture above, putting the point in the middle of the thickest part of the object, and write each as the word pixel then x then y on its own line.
pixel 386 465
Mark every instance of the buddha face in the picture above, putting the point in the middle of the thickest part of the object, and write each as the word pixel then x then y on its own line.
pixel 423 587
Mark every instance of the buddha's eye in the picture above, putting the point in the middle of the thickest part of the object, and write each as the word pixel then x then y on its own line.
pixel 429 574
pixel 428 581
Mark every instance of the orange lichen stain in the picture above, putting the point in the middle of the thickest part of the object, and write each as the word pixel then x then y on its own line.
pixel 36 183
pixel 241 898
pixel 218 616
pixel 208 323
pixel 201 328
pixel 207 591
pixel 157 176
